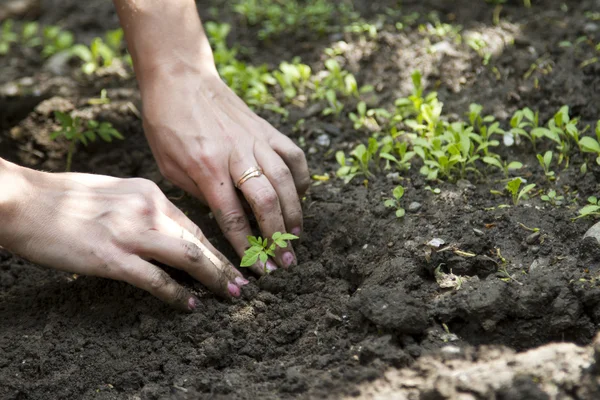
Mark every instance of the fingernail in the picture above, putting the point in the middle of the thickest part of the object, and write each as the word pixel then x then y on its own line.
pixel 296 231
pixel 234 290
pixel 288 259
pixel 239 281
pixel 193 303
pixel 271 266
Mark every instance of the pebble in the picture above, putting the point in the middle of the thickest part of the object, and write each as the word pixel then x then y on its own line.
pixel 533 238
pixel 478 232
pixel 538 264
pixel 390 244
pixel 594 232
pixel 464 184
pixel 414 206
pixel 590 27
pixel 323 140
pixel 535 249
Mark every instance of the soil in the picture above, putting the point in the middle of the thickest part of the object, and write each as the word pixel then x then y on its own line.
pixel 362 315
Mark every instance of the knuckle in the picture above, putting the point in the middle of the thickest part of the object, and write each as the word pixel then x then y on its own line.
pixel 142 205
pixel 233 222
pixel 296 155
pixel 266 199
pixel 157 280
pixel 191 252
pixel 281 175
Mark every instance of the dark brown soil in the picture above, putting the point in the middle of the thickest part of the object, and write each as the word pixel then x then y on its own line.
pixel 364 299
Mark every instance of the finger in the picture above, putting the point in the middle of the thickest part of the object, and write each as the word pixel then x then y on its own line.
pixel 157 282
pixel 294 158
pixel 229 213
pixel 281 179
pixel 194 259
pixel 175 223
pixel 264 202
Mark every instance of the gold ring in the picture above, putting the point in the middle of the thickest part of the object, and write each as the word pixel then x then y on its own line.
pixel 252 172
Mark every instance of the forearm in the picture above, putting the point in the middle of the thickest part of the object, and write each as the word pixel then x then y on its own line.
pixel 14 194
pixel 165 36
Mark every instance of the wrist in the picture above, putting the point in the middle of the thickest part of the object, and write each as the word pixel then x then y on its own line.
pixel 16 192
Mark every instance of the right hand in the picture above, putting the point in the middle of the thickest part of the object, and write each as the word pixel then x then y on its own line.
pixel 110 227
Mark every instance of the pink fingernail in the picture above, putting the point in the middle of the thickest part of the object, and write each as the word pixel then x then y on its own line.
pixel 296 231
pixel 234 290
pixel 241 281
pixel 271 266
pixel 288 259
pixel 193 303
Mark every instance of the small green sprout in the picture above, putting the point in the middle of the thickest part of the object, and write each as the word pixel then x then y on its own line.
pixel 545 162
pixel 293 78
pixel 513 188
pixel 29 34
pixel 99 54
pixel 7 36
pixel 504 166
pixel 552 198
pixel 74 130
pixel 394 202
pixel 359 162
pixel 368 117
pixel 592 209
pixel 261 249
pixel 55 40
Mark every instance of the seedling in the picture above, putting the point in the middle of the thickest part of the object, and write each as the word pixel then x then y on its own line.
pixel 545 162
pixel 590 145
pixel 592 209
pixel 75 130
pixel 359 163
pixel 394 202
pixel 368 117
pixel 513 188
pixel 503 166
pixel 7 37
pixel 293 78
pixel 552 198
pixel 29 34
pixel 261 249
pixel 55 40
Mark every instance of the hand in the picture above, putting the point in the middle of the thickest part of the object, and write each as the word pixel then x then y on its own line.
pixel 204 137
pixel 110 227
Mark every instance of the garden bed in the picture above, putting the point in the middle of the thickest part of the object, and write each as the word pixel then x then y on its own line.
pixel 372 294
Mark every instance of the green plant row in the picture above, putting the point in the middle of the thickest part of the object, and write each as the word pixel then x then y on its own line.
pixel 417 130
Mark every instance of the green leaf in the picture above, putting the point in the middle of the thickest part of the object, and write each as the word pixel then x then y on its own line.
pixel 492 161
pixel 263 257
pixel 288 236
pixel 526 190
pixel 548 158
pixel 400 212
pixel 254 241
pixel 398 192
pixel 251 256
pixel 589 145
pixel 389 203
pixel 514 185
pixel 340 158
pixel 514 165
pixel 65 119
pixel 589 209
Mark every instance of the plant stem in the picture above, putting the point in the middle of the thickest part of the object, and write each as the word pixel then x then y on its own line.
pixel 70 155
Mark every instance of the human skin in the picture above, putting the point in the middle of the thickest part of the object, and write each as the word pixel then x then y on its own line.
pixel 203 137
pixel 108 227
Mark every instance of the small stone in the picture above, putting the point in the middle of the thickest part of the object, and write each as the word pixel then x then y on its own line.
pixel 594 232
pixel 535 249
pixel 590 27
pixel 478 232
pixel 538 264
pixel 533 238
pixel 323 140
pixel 414 206
pixel 390 244
pixel 464 184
